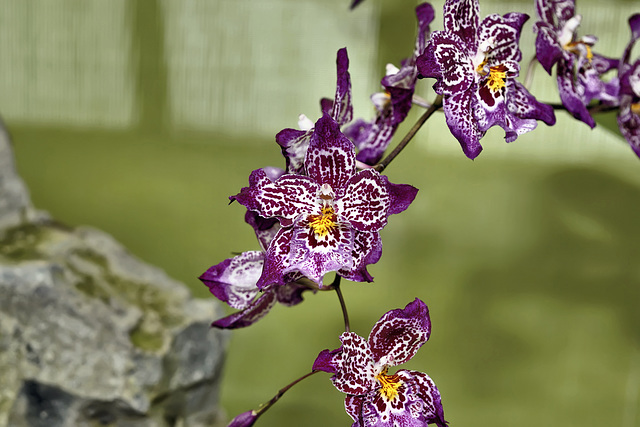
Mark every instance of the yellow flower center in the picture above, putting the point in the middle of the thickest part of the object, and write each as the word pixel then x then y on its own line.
pixel 389 384
pixel 635 108
pixel 480 67
pixel 325 222
pixel 497 77
pixel 579 48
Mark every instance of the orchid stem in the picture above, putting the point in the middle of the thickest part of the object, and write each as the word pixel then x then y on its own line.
pixel 528 79
pixel 596 108
pixel 436 105
pixel 265 406
pixel 336 285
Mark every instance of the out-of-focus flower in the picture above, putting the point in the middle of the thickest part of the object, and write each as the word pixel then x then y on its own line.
pixel 475 64
pixel 330 217
pixel 629 78
pixel 233 281
pixel 392 106
pixel 245 419
pixel 360 369
pixel 579 69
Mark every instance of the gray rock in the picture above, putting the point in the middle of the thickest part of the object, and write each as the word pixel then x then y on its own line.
pixel 90 335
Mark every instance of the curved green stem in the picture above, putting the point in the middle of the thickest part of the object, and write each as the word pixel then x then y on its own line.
pixel 435 106
pixel 528 79
pixel 336 285
pixel 265 406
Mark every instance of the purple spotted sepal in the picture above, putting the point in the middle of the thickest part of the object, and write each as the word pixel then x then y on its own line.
pixel 360 370
pixel 233 281
pixel 578 68
pixel 372 138
pixel 330 218
pixel 294 143
pixel 629 77
pixel 475 64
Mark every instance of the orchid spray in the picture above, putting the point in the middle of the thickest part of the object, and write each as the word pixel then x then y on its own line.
pixel 318 220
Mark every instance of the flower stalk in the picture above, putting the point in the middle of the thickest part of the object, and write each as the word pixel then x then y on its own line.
pixel 435 106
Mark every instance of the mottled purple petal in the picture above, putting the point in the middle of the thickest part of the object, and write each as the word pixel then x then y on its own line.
pixel 423 397
pixel 461 18
pixel 426 63
pixel 234 280
pixel 425 15
pixel 285 198
pixel 291 293
pixel 366 201
pixel 250 315
pixel 276 260
pixel 523 104
pixel 629 113
pixel 400 88
pixel 545 11
pixel 457 72
pixel 265 228
pixel 629 123
pixel 329 361
pixel 367 249
pixel 458 113
pixel 294 145
pixel 602 64
pixel 548 50
pixel 314 256
pixel 351 365
pixel 342 111
pixel 331 156
pixel 326 105
pixel 505 33
pixel 353 406
pixel 490 108
pixel 401 195
pixel 572 95
pixel 399 333
pixel 371 139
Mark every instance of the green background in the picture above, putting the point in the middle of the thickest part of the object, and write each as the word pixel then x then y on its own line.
pixel 527 257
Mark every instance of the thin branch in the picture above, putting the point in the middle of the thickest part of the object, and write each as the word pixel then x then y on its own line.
pixel 336 285
pixel 265 406
pixel 528 79
pixel 436 105
pixel 593 109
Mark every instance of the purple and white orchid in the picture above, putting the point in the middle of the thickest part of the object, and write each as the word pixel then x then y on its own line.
pixel 360 369
pixel 371 138
pixel 629 78
pixel 475 64
pixel 331 217
pixel 234 280
pixel 294 142
pixel 579 69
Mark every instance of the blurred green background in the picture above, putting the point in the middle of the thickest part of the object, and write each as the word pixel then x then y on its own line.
pixel 142 117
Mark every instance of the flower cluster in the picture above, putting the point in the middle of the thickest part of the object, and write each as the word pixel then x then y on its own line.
pixel 360 369
pixel 475 64
pixel 324 212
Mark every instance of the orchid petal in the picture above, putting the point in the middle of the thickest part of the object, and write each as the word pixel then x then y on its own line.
pixel 250 315
pixel 234 280
pixel 366 201
pixel 331 156
pixel 400 333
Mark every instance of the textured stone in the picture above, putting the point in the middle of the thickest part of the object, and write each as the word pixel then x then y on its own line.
pixel 90 335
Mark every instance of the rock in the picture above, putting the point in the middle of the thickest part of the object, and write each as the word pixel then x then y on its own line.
pixel 90 335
